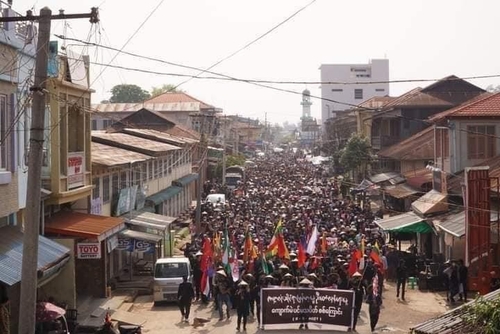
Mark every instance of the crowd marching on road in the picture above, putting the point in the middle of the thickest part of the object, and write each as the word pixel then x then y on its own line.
pixel 289 226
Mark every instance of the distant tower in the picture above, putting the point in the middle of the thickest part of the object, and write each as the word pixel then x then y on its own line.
pixel 306 104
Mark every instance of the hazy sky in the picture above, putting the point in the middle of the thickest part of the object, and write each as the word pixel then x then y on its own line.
pixel 422 39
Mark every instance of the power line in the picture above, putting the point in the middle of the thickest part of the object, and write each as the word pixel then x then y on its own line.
pixel 250 43
pixel 268 81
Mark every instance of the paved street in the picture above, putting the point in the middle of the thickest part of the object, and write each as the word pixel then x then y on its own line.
pixel 396 316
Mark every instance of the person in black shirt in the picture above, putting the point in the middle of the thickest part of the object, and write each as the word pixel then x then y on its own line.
pixel 401 277
pixel 185 295
pixel 242 301
pixel 463 273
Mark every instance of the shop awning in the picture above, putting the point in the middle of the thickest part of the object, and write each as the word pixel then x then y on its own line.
pixel 149 220
pixel 431 202
pixel 51 256
pixel 401 191
pixel 140 236
pixel 185 180
pixel 392 177
pixel 163 195
pixel 408 222
pixel 452 223
pixel 84 225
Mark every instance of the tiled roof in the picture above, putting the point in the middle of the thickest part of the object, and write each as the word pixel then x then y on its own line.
pixel 178 98
pixel 420 146
pixel 106 155
pixel 484 105
pixel 132 107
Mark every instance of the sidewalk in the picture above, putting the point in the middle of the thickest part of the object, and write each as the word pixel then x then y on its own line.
pixel 91 311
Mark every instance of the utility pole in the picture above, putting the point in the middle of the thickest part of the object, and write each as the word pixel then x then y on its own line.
pixel 29 272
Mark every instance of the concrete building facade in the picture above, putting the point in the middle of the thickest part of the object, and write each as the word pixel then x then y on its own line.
pixel 357 90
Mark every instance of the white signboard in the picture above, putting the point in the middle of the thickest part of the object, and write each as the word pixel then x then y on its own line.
pixel 76 168
pixel 88 250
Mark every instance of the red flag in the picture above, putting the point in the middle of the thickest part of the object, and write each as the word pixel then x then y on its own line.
pixel 323 244
pixel 282 249
pixel 353 264
pixel 301 256
pixel 206 260
pixel 314 264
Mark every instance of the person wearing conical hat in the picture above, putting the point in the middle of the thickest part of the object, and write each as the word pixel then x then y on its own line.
pixel 223 294
pixel 303 316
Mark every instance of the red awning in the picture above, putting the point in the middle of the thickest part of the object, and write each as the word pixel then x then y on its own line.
pixel 84 225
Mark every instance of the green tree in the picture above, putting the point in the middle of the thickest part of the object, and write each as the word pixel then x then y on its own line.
pixel 482 316
pixel 128 94
pixel 356 155
pixel 167 88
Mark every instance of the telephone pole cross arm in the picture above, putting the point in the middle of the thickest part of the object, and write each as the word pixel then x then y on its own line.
pixel 27 310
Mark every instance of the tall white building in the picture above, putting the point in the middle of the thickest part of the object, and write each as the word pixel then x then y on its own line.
pixel 356 91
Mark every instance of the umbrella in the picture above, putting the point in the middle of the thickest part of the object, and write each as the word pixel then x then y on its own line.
pixel 46 312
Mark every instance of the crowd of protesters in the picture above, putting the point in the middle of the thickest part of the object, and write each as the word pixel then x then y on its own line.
pixel 291 227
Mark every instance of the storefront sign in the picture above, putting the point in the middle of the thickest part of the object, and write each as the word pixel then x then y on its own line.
pixel 125 244
pixel 112 243
pixel 96 206
pixel 88 250
pixel 292 306
pixel 144 246
pixel 76 168
pixel 123 205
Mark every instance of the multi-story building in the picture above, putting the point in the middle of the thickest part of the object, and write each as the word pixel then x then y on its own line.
pixel 357 89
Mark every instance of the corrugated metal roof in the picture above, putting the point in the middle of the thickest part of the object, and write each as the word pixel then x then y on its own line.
pixel 134 143
pixel 11 254
pixel 401 190
pixel 392 177
pixel 159 135
pixel 419 177
pixel 133 107
pixel 163 195
pixel 432 202
pixel 141 235
pixel 452 223
pixel 83 225
pixel 149 220
pixel 106 155
pixel 420 146
pixel 399 221
pixel 449 322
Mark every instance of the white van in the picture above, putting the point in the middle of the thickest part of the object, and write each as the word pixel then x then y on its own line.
pixel 168 275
